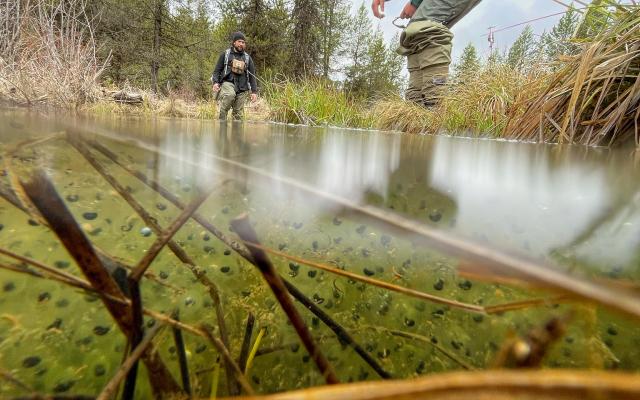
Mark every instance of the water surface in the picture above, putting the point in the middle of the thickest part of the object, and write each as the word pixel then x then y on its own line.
pixel 574 208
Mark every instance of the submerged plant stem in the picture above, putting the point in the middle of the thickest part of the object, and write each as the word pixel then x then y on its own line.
pixel 413 336
pixel 254 351
pixel 214 292
pixel 111 387
pixel 340 332
pixel 244 229
pixel 246 342
pixel 43 195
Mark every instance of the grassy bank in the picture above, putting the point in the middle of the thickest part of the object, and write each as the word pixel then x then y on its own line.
pixel 478 104
pixel 315 102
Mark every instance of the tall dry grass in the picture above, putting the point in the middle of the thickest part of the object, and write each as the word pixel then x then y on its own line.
pixel 48 52
pixel 594 97
pixel 153 105
pixel 396 114
pixel 173 105
pixel 477 104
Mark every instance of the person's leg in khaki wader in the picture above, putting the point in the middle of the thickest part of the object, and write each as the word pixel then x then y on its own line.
pixel 428 68
pixel 229 99
pixel 238 105
pixel 427 44
pixel 226 98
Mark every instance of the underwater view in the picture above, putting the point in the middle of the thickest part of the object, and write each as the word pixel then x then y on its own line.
pixel 394 256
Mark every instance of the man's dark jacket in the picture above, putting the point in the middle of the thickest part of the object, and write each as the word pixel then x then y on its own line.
pixel 239 80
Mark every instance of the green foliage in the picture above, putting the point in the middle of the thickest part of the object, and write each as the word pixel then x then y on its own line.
pixel 496 58
pixel 375 67
pixel 522 52
pixel 559 42
pixel 469 63
pixel 360 37
pixel 383 69
pixel 267 24
pixel 305 39
pixel 334 18
pixel 595 20
pixel 188 68
pixel 314 102
pixel 176 38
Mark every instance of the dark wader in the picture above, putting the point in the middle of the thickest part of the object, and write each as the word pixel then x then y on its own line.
pixel 427 44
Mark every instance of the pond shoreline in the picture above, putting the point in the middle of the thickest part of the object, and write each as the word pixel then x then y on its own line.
pixel 389 118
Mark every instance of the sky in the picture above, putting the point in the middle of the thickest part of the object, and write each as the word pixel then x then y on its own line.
pixel 474 27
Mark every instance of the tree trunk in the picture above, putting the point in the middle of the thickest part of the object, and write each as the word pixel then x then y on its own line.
pixel 329 15
pixel 305 43
pixel 155 50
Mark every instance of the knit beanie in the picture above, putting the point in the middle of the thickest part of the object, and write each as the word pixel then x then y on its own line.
pixel 237 36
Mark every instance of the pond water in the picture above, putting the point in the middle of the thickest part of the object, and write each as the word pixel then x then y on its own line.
pixel 574 208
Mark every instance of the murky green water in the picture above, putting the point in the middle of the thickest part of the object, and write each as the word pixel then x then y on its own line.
pixel 573 207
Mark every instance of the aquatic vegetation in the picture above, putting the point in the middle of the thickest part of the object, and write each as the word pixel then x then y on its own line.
pixel 376 291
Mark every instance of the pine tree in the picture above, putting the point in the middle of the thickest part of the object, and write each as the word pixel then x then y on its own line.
pixel 306 44
pixel 360 37
pixel 495 58
pixel 334 16
pixel 375 70
pixel 522 51
pixel 267 26
pixel 395 64
pixel 140 35
pixel 189 65
pixel 558 42
pixel 469 63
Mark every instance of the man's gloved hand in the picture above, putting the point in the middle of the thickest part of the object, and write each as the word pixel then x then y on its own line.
pixel 378 8
pixel 408 11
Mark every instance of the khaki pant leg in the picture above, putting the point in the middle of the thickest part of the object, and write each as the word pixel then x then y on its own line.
pixel 434 81
pixel 227 98
pixel 414 90
pixel 426 85
pixel 429 68
pixel 238 105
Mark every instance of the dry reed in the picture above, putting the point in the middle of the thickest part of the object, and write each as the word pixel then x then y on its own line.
pixel 594 97
pixel 48 53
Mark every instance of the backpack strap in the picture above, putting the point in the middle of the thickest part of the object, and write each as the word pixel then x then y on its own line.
pixel 246 68
pixel 227 54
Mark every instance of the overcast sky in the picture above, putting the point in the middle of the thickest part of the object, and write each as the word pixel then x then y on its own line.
pixel 474 27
